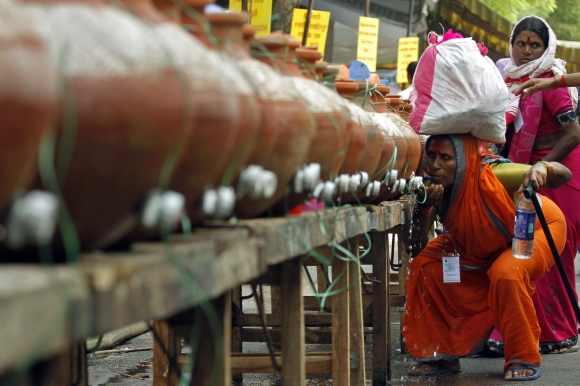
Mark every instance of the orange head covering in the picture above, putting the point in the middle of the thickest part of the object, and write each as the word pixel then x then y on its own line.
pixel 479 212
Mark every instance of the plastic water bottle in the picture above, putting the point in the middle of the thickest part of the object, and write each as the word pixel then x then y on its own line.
pixel 525 223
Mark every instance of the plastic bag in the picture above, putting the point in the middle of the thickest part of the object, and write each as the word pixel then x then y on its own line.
pixel 459 90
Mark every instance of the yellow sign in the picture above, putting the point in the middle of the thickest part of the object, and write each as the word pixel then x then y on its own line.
pixel 408 52
pixel 260 12
pixel 318 27
pixel 368 40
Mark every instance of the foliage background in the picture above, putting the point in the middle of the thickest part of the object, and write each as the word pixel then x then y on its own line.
pixel 562 15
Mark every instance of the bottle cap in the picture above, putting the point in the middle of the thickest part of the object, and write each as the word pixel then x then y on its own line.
pixel 250 181
pixel 299 181
pixel 354 182
pixel 373 189
pixel 364 178
pixel 342 183
pixel 209 202
pixel 311 176
pixel 225 203
pixel 318 191
pixel 270 183
pixel 172 205
pixel 328 191
pixel 32 218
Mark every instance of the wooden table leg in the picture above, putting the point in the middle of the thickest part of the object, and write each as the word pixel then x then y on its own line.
pixel 213 367
pixel 166 344
pixel 357 344
pixel 404 260
pixel 237 341
pixel 293 328
pixel 340 325
pixel 379 255
pixel 68 368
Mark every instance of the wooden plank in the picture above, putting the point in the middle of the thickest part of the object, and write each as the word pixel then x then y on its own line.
pixel 296 235
pixel 166 341
pixel 310 320
pixel 357 343
pixel 340 325
pixel 315 362
pixel 293 347
pixel 381 353
pixel 311 304
pixel 155 281
pixel 57 296
pixel 252 334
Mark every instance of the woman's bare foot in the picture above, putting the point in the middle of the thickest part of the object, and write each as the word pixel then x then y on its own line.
pixel 518 371
pixel 436 367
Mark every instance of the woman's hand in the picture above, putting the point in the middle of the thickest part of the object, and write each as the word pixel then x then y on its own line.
pixel 534 85
pixel 434 193
pixel 537 175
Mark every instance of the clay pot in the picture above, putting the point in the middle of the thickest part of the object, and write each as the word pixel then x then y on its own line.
pixel 130 110
pixel 402 161
pixel 414 142
pixel 423 142
pixel 380 101
pixel 329 146
pixel 28 100
pixel 287 126
pixel 358 142
pixel 307 57
pixel 258 135
pixel 169 10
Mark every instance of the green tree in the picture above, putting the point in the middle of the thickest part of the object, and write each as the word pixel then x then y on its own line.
pixel 514 10
pixel 565 20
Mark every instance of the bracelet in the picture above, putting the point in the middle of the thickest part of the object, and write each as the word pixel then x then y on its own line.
pixel 549 167
pixel 563 80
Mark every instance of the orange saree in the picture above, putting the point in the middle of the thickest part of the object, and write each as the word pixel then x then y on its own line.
pixel 453 320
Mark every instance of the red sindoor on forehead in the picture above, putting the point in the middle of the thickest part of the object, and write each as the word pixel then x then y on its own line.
pixel 528 41
pixel 437 145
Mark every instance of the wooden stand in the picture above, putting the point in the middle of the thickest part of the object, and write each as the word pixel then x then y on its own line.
pixel 155 281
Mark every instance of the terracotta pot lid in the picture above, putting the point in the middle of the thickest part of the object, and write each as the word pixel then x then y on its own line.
pixel 271 41
pixel 343 72
pixel 321 66
pixel 383 89
pixel 198 3
pixel 308 54
pixel 346 86
pixel 362 86
pixel 249 31
pixel 330 71
pixel 227 17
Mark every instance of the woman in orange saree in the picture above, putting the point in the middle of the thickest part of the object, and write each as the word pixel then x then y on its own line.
pixel 446 321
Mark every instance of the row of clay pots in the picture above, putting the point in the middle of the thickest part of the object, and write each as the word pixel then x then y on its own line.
pixel 152 119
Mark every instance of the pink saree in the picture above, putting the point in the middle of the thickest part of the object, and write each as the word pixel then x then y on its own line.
pixel 555 314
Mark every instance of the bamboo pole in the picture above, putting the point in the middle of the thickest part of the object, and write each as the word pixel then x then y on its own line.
pixel 307 25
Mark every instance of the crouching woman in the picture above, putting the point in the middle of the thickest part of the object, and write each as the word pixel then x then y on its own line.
pixel 447 318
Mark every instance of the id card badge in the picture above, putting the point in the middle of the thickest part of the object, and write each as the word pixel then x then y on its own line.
pixel 451 268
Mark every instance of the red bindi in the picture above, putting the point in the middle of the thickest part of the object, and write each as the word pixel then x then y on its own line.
pixel 437 146
pixel 528 41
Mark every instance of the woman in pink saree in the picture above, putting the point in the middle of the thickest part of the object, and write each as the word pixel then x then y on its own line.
pixel 543 127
